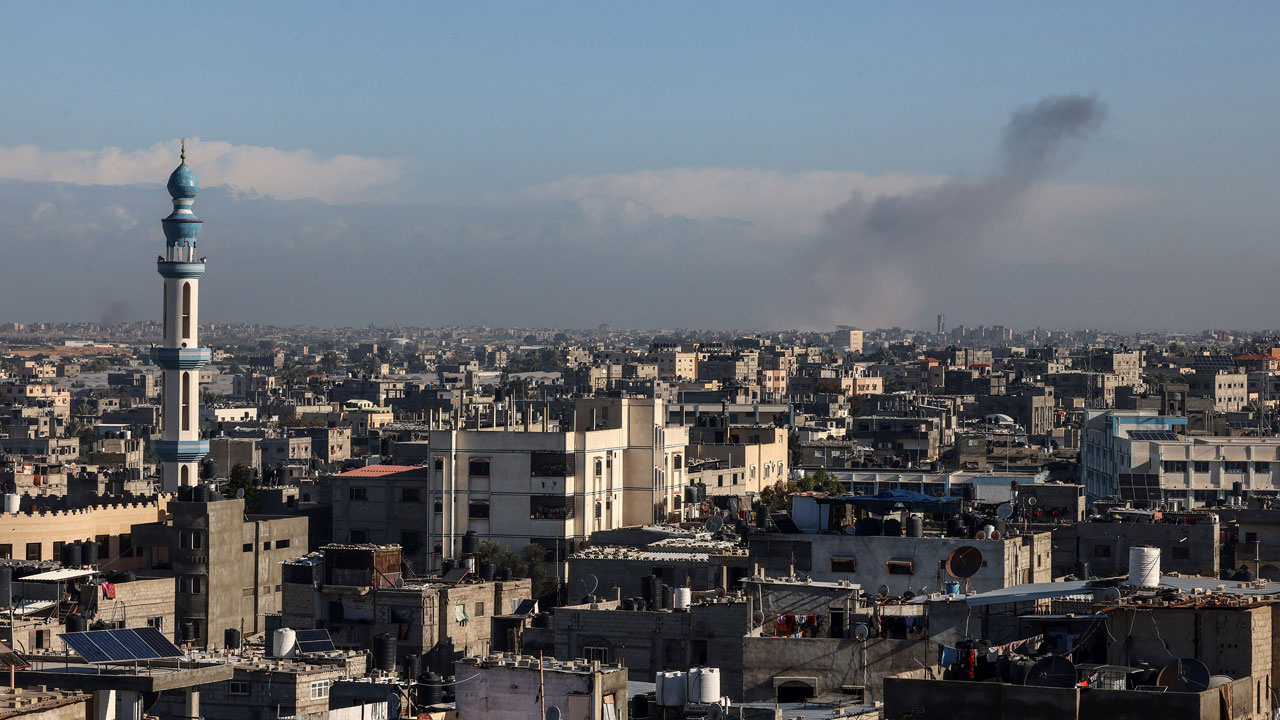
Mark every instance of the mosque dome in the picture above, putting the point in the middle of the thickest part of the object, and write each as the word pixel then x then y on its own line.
pixel 182 183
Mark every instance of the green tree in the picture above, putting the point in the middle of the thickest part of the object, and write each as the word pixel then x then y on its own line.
pixel 778 495
pixel 241 478
pixel 528 563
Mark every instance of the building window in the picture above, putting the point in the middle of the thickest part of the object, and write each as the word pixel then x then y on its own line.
pixel 479 611
pixel 1262 467
pixel 1202 466
pixel 437 506
pixel 478 509
pixel 478 467
pixel 410 540
pixel 186 310
pixel 596 653
pixel 156 622
pixel 6 551
pixel 358 494
pixel 165 295
pixel 412 495
pixel 438 463
pixel 1235 466
pixel 1102 551
pixel 33 551
pixel 186 401
pixel 599 467
pixel 281 544
pixel 192 584
pixel 237 687
pixel 900 567
pixel 844 564
pixel 1175 466
pixel 320 689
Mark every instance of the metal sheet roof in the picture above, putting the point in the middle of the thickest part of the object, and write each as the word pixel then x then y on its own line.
pixel 55 575
pixel 1029 591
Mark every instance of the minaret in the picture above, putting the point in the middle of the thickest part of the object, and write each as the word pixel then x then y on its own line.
pixel 179 355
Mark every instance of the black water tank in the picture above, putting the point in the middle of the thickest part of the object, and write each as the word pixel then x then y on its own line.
pixel 892 527
pixel 6 586
pixel 77 623
pixel 955 528
pixel 504 574
pixel 384 652
pixel 488 570
pixel 915 526
pixel 434 688
pixel 470 543
pixel 646 586
pixel 446 565
pixel 71 556
pixel 1002 527
pixel 189 631
pixel 640 707
pixel 89 552
pixel 412 667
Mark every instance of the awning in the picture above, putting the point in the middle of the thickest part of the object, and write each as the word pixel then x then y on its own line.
pixel 57 575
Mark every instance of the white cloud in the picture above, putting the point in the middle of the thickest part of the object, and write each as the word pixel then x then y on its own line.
pixel 283 174
pixel 790 204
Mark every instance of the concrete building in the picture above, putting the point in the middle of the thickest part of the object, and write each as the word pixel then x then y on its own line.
pixel 266 688
pixel 1103 447
pixel 1228 390
pixel 226 565
pixel 34 535
pixel 179 355
pixel 502 687
pixel 618 466
pixel 357 592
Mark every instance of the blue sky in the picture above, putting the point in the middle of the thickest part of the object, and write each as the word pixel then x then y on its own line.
pixel 476 101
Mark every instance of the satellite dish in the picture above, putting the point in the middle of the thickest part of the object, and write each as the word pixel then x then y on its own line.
pixel 1111 594
pixel 980 535
pixel 1032 501
pixel 907 594
pixel 1052 671
pixel 995 535
pixel 1185 675
pixel 861 632
pixel 239 493
pixel 399 583
pixel 586 585
pixel 714 524
pixel 883 591
pixel 553 713
pixel 964 562
pixel 1005 511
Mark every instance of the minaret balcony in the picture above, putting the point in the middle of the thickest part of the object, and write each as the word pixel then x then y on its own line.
pixel 171 358
pixel 181 450
pixel 179 269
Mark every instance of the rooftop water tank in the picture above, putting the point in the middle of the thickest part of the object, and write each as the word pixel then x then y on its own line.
pixel 284 643
pixel 683 598
pixel 703 685
pixel 1144 567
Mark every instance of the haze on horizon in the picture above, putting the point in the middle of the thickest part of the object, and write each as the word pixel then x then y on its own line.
pixel 744 165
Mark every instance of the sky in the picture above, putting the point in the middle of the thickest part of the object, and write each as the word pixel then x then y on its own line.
pixel 651 165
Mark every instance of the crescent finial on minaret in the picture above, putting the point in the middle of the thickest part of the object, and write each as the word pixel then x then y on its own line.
pixel 184 151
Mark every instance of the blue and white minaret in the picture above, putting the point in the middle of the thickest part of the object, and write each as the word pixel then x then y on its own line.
pixel 179 355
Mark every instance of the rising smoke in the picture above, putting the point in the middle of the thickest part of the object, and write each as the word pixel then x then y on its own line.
pixel 879 257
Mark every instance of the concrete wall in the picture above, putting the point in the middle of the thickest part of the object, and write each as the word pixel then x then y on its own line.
pixel 511 693
pixel 47 528
pixel 829 662
pixel 1185 549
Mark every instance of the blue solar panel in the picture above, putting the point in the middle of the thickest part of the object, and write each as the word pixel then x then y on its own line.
pixel 314 641
pixel 131 645
pixel 85 647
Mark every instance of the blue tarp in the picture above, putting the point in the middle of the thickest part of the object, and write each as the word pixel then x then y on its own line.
pixel 911 499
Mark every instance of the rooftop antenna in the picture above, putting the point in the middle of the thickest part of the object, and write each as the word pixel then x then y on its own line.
pixel 184 151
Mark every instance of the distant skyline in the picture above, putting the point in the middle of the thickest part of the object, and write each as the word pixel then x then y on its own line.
pixel 703 165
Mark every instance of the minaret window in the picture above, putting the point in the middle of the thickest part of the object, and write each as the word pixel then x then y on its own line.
pixel 165 294
pixel 185 474
pixel 186 310
pixel 186 401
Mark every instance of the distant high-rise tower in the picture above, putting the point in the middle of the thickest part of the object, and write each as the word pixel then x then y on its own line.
pixel 179 355
pixel 942 324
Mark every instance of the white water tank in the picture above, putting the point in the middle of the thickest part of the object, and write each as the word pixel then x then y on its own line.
pixel 673 689
pixel 12 502
pixel 683 598
pixel 1144 566
pixel 703 685
pixel 284 643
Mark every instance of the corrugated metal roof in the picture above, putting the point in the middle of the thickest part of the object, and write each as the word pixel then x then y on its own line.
pixel 675 557
pixel 1029 591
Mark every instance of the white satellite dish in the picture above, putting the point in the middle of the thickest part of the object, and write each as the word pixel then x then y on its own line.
pixel 1005 511
pixel 586 585
pixel 861 632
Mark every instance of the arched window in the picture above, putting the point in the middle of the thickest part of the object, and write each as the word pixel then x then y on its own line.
pixel 186 310
pixel 185 475
pixel 165 294
pixel 186 401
